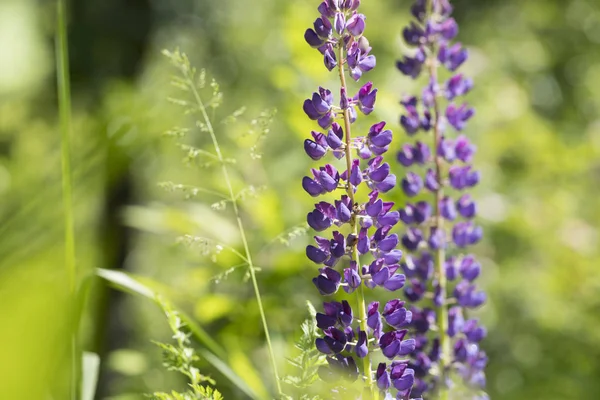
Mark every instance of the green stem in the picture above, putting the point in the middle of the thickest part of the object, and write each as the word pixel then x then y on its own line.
pixel 240 224
pixel 64 105
pixel 362 309
pixel 64 109
pixel 440 256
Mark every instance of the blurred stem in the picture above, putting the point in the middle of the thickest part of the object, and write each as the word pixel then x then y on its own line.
pixel 64 106
pixel 440 256
pixel 248 257
pixel 362 309
pixel 64 109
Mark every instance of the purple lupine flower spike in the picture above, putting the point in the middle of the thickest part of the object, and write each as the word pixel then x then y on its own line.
pixel 435 235
pixel 364 229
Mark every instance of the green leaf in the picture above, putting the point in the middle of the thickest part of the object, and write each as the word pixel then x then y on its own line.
pixel 91 369
pixel 213 353
pixel 228 372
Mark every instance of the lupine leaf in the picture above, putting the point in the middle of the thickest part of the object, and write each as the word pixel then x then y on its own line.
pixel 310 358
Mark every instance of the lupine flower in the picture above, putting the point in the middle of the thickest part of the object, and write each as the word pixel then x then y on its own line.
pixel 338 34
pixel 440 228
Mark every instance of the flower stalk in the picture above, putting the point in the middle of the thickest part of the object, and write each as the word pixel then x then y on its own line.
pixel 364 227
pixel 441 278
pixel 438 223
pixel 360 294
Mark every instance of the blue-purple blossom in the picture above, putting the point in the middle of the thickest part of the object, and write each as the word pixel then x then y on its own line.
pixel 458 116
pixel 440 227
pixel 363 229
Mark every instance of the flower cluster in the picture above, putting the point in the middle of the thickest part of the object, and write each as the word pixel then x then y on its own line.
pixel 361 228
pixel 440 278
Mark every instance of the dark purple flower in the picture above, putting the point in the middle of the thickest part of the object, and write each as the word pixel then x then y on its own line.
pixel 431 180
pixel 467 296
pixel 437 239
pixel 464 150
pixel 458 115
pixel 466 206
pixel 378 137
pixel 406 381
pixel 328 281
pixel 314 150
pixel 413 34
pixel 406 155
pixel 446 149
pixel 419 10
pixel 447 29
pixel 455 321
pixel 465 234
pixel 335 339
pixel 421 212
pixel 339 22
pixel 374 319
pixel 462 177
pixel 421 153
pixel 366 98
pixel 412 238
pixel 396 315
pixel 339 313
pixel 359 61
pixel 318 221
pixel 473 331
pixel 412 184
pixel 323 27
pixel 329 58
pixel 335 136
pixel 316 255
pixel 391 218
pixel 312 187
pixel 458 85
pixel 393 344
pixel 383 377
pixel 338 245
pixel 452 57
pixel 447 209
pixel 352 278
pixel 430 93
pixel 452 265
pixel 313 39
pixel 361 348
pixel 412 66
pixel 356 24
pixel 469 268
pixel 410 121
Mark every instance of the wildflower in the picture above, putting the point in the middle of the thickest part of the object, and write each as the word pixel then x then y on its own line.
pixel 347 342
pixel 436 233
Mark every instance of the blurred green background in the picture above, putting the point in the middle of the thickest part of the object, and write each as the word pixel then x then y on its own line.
pixel 536 65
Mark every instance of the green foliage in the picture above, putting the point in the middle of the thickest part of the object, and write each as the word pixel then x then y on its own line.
pixel 536 68
pixel 181 357
pixel 188 81
pixel 309 359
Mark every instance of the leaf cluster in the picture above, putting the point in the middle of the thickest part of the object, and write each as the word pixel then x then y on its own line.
pixel 181 357
pixel 310 359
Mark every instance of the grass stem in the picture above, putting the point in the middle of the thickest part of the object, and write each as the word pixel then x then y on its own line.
pixel 64 109
pixel 233 199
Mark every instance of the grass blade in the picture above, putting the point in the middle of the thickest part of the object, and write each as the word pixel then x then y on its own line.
pixel 213 353
pixel 90 371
